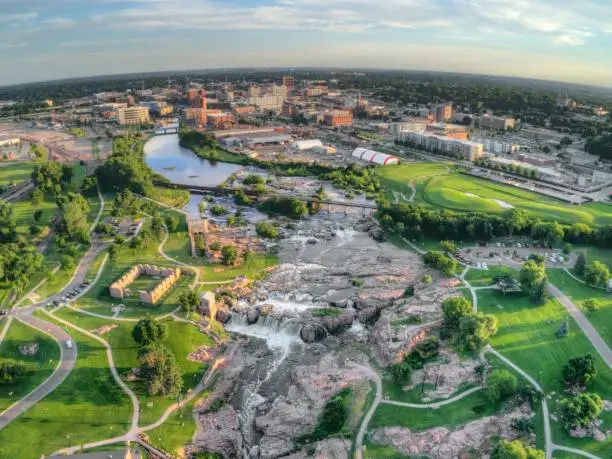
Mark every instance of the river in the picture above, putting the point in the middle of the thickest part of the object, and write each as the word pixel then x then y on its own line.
pixel 180 165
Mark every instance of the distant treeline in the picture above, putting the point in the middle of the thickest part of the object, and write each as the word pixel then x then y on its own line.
pixel 417 222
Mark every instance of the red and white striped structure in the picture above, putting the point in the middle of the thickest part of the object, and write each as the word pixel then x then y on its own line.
pixel 375 157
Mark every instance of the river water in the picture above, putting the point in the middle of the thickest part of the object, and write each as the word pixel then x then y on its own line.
pixel 180 165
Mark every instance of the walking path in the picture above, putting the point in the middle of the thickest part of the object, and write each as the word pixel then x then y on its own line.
pixel 366 420
pixel 4 331
pixel 591 333
pixel 111 364
pixel 434 405
pixel 576 278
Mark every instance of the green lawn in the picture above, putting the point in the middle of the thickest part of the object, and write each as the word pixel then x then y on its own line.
pixel 174 198
pixel 440 186
pixel 178 430
pixel 39 366
pixel 88 406
pixel 579 293
pixel 526 335
pixel 15 172
pixel 374 451
pixel 182 339
pixel 467 409
pixel 481 278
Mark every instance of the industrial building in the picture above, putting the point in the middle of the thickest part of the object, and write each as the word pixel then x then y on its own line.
pixel 375 157
pixel 133 115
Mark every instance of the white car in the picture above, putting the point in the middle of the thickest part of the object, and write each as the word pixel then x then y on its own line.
pixel 69 344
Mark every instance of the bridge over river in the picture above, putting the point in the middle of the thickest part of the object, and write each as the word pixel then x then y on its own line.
pixel 324 204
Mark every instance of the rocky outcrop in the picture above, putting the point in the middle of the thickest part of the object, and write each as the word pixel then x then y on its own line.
pixel 312 332
pixel 296 413
pixel 339 323
pixel 332 448
pixel 443 443
pixel 219 432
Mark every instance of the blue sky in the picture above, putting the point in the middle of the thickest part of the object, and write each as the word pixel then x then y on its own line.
pixel 568 40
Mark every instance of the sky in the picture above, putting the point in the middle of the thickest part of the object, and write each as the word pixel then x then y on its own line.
pixel 566 40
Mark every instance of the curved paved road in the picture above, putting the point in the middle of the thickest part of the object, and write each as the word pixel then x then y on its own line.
pixel 66 364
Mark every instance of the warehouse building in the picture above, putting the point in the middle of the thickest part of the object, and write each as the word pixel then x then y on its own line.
pixel 375 157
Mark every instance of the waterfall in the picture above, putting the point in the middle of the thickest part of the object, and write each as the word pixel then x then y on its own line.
pixel 280 334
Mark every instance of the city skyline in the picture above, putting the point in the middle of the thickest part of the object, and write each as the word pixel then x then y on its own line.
pixel 545 39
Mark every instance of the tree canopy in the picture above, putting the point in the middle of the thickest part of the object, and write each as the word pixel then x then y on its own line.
pixel 579 371
pixel 159 369
pixel 148 331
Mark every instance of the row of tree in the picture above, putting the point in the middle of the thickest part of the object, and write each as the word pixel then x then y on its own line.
pixel 415 222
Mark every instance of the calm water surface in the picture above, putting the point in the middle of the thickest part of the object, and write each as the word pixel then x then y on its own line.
pixel 180 165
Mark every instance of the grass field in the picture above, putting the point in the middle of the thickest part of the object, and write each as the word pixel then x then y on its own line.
pixel 15 172
pixel 526 335
pixel 87 406
pixel 438 185
pixel 481 278
pixel 579 293
pixel 39 366
pixel 182 339
pixel 467 409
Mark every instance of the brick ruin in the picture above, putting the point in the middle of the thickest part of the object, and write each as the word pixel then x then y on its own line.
pixel 119 288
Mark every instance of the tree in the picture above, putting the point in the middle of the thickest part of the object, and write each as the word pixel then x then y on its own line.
pixel 517 220
pixel 229 255
pixel 159 369
pixel 454 309
pixel 37 197
pixel 592 305
pixel 532 278
pixel 401 373
pixel 438 260
pixel 112 251
pixel 550 233
pixel 11 371
pixel 475 329
pixel 567 248
pixel 500 384
pixel 148 331
pixel 74 209
pixel 515 450
pixel 48 176
pixel 581 410
pixel 579 371
pixel 448 247
pixel 505 281
pixel 67 262
pixel 37 215
pixel 596 273
pixel 241 199
pixel 8 226
pixel 581 262
pixel 172 222
pixel 189 301
pixel 157 225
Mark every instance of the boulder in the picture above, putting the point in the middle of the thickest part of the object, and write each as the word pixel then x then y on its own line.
pixel 336 324
pixel 252 315
pixel 223 315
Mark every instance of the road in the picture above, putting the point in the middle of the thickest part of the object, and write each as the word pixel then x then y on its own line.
pixel 66 364
pixel 68 356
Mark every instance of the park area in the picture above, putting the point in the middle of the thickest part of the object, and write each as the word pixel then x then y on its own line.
pixel 15 173
pixel 441 185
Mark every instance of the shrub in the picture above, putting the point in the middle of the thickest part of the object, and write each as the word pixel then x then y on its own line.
pixel 592 305
pixel 500 384
pixel 266 230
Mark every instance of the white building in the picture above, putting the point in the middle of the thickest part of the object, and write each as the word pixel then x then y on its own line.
pixel 133 115
pixel 300 145
pixel 6 141
pixel 431 142
pixel 267 101
pixel 375 157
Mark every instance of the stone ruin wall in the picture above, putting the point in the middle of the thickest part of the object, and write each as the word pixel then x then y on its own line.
pixel 119 288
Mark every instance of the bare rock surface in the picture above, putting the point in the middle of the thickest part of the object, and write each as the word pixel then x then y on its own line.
pixel 332 448
pixel 220 432
pixel 296 413
pixel 444 443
